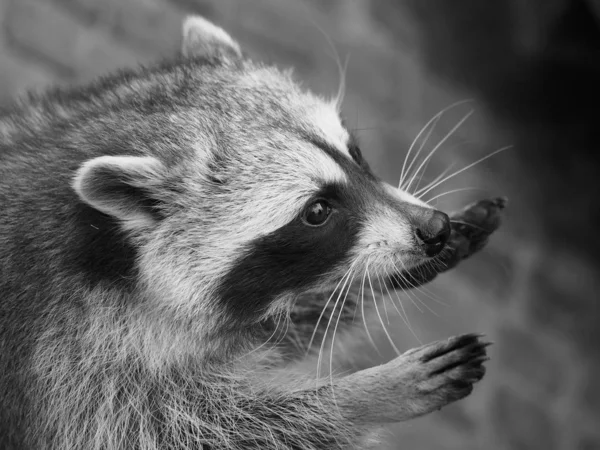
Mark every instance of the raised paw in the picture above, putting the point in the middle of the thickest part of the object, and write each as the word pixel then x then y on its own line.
pixel 473 225
pixel 415 383
pixel 471 228
pixel 451 367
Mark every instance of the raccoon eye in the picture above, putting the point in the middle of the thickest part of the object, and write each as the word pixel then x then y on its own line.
pixel 317 213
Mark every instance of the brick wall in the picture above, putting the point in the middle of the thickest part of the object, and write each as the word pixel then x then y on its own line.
pixel 537 300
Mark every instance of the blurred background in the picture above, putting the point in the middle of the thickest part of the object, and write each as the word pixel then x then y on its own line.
pixel 525 73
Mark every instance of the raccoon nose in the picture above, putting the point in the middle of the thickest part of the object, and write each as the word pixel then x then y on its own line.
pixel 434 233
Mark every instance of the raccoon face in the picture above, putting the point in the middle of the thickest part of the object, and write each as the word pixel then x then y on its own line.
pixel 270 198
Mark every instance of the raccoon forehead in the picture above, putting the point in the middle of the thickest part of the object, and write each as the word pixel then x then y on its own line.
pixel 315 115
pixel 262 184
pixel 286 179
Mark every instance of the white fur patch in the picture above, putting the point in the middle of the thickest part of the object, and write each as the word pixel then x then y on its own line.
pixel 325 118
pixel 314 113
pixel 200 36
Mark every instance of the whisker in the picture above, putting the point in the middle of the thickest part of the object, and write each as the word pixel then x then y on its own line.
pixel 469 224
pixel 361 291
pixel 421 146
pixel 425 292
pixel 439 144
pixel 439 177
pixel 378 276
pixel 342 67
pixel 319 360
pixel 333 340
pixel 339 98
pixel 452 192
pixel 410 284
pixel 385 330
pixel 362 306
pixel 448 149
pixel 430 123
pixel 325 309
pixel 422 174
pixel 410 297
pixel 419 193
pixel 403 317
pixel 368 128
pixel 324 338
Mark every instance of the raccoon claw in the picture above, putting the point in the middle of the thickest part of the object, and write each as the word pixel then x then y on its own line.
pixel 452 367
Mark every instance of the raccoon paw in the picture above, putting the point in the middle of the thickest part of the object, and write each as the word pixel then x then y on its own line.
pixel 473 225
pixel 415 383
pixel 445 371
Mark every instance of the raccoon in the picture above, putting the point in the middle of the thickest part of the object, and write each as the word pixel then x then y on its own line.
pixel 160 226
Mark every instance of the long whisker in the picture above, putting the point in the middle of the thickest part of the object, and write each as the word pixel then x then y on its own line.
pixel 422 174
pixel 331 318
pixel 422 288
pixel 425 292
pixel 333 340
pixel 342 67
pixel 385 330
pixel 452 147
pixel 325 309
pixel 431 125
pixel 452 192
pixel 416 156
pixel 362 307
pixel 439 177
pixel 410 284
pixel 378 277
pixel 439 144
pixel 419 193
pixel 361 291
pixel 404 316
pixel 468 224
pixel 339 98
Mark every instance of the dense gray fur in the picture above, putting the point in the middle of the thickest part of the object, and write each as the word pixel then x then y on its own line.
pixel 119 354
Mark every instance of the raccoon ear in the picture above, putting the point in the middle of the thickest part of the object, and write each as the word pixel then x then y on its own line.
pixel 203 38
pixel 122 187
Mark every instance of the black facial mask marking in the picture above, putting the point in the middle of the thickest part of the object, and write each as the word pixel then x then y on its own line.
pixel 292 258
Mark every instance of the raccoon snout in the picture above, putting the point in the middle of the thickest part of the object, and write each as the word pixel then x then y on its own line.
pixel 433 233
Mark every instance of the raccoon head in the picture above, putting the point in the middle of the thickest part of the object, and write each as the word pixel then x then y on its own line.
pixel 257 192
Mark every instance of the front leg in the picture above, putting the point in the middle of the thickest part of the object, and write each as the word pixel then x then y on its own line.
pixel 259 412
pixel 471 229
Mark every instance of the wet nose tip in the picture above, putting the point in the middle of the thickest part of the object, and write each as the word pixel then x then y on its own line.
pixel 434 233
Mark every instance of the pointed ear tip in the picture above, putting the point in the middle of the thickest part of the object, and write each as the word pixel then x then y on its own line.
pixel 192 21
pixel 203 27
pixel 197 29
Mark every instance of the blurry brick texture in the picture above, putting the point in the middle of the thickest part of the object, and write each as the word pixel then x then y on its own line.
pixel 538 302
